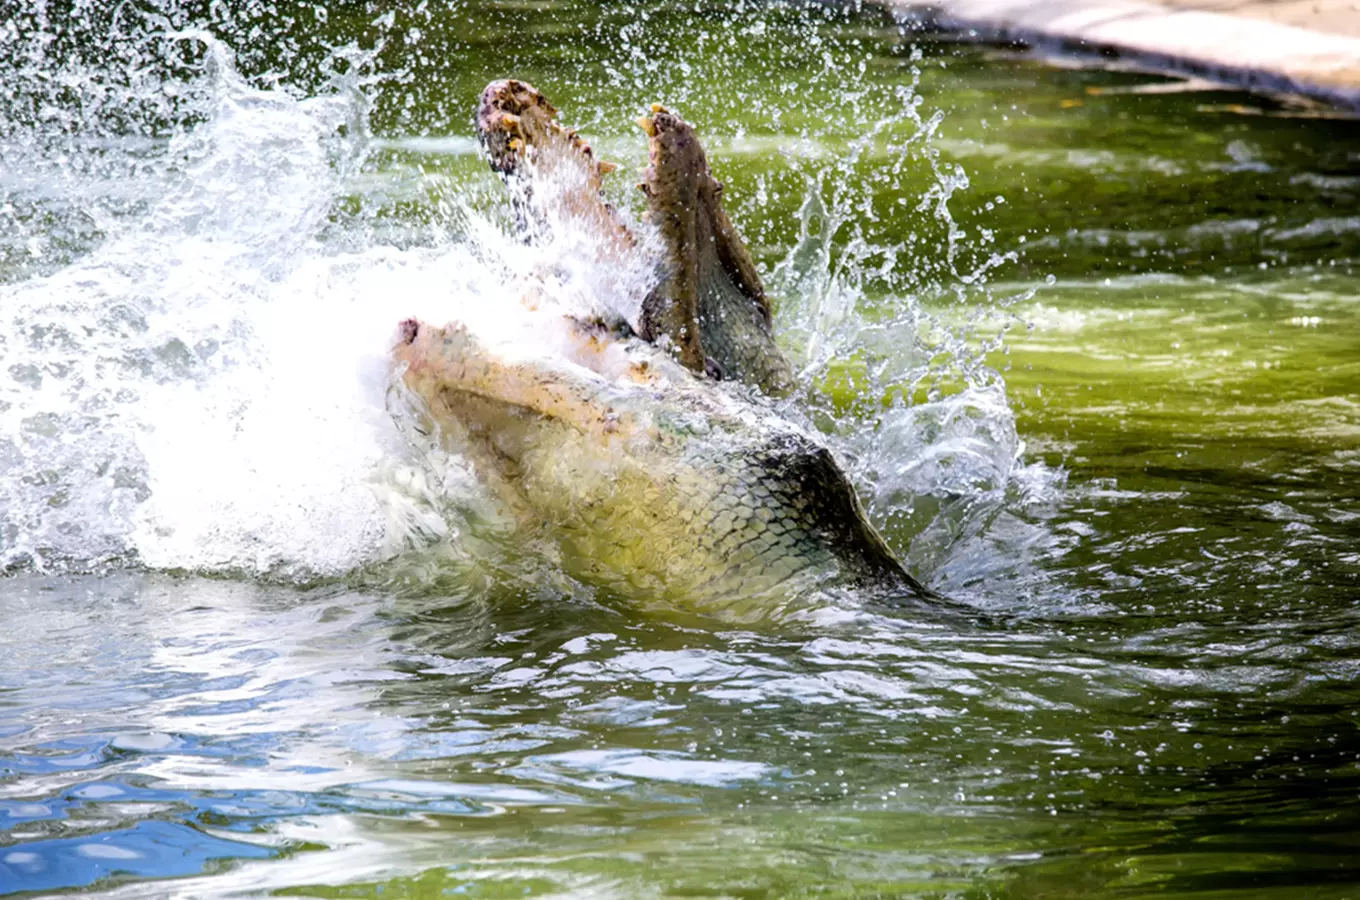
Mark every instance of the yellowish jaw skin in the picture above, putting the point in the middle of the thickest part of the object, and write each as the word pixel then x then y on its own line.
pixel 658 486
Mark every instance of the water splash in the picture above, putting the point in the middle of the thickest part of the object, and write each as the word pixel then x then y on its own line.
pixel 200 282
pixel 927 430
pixel 170 387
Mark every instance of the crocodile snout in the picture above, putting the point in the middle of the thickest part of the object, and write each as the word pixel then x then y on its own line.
pixel 408 331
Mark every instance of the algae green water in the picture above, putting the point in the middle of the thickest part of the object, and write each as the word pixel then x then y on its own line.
pixel 1090 347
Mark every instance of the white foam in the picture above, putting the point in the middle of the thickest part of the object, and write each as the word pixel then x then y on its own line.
pixel 206 389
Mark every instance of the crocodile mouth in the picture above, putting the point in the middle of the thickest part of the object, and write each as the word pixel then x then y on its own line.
pixel 551 170
pixel 709 309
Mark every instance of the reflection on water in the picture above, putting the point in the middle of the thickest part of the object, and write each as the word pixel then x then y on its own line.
pixel 254 644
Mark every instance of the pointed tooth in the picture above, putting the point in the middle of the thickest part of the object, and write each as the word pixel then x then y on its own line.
pixel 516 144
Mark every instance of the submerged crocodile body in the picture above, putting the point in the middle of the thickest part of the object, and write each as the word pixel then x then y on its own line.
pixel 655 480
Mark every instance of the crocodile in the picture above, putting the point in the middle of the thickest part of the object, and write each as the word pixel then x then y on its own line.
pixel 657 480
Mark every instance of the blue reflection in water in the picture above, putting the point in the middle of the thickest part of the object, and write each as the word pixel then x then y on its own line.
pixel 147 849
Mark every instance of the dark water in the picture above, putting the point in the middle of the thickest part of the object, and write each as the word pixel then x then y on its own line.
pixel 1092 352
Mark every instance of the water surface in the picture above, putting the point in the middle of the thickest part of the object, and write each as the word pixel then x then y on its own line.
pixel 1089 348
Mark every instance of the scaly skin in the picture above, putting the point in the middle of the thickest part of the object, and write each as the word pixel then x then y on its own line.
pixel 655 483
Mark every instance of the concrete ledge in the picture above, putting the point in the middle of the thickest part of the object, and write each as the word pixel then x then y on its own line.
pixel 1250 43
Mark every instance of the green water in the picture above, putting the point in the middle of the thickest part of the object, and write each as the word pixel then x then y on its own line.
pixel 1160 700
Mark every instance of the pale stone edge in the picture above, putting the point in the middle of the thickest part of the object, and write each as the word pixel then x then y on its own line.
pixel 1253 53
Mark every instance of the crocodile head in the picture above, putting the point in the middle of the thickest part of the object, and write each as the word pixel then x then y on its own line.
pixel 653 478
